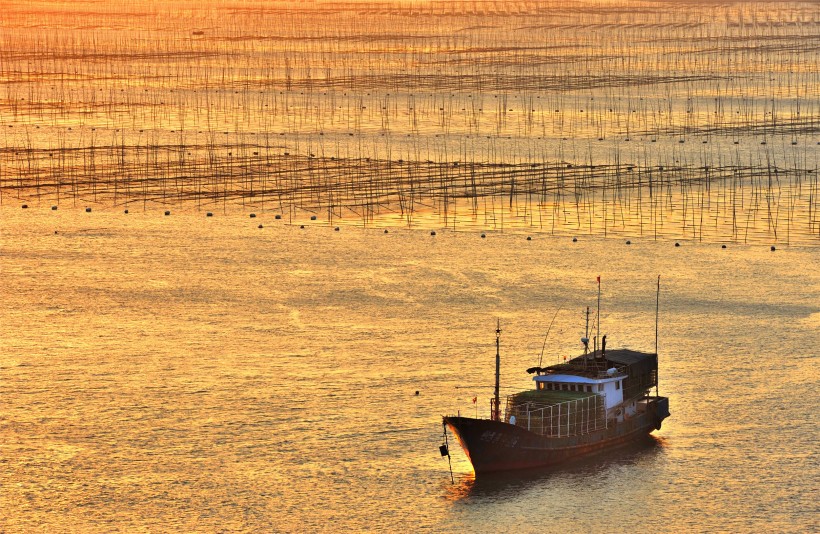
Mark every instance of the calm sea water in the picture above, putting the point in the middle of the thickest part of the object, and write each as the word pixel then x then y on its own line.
pixel 199 374
pixel 186 373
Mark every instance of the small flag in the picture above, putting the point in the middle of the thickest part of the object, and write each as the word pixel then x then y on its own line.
pixel 475 400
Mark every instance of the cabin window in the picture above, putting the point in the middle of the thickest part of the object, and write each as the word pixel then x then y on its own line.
pixel 600 387
pixel 618 384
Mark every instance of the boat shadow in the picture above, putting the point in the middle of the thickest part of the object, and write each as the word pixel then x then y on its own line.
pixel 512 482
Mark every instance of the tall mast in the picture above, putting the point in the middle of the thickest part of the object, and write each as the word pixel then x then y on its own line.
pixel 585 339
pixel 657 314
pixel 598 318
pixel 496 415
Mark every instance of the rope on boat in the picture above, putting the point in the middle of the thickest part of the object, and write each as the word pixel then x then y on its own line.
pixel 547 335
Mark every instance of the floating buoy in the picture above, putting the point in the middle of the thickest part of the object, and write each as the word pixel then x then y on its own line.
pixel 53 208
pixel 628 242
pixel 677 244
pixel 302 227
pixel 167 212
pixel 260 226
pixel 433 232
pixel 277 217
pixel 386 232
pixel 126 212
pixel 574 239
pixel 209 214
pixel 336 229
pixel 529 238
pixel 722 246
pixel 253 215
pixel 25 206
pixel 313 217
pixel 417 392
pixel 88 210
pixel 773 248
pixel 483 236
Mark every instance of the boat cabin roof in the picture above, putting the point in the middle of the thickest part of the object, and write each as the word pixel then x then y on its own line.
pixel 596 366
pixel 629 357
pixel 577 379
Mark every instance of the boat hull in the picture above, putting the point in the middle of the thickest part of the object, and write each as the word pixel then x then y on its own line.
pixel 497 446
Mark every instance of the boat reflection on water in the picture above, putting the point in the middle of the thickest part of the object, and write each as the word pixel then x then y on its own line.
pixel 512 483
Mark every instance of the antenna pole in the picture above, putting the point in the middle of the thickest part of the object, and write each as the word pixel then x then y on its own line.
pixel 586 339
pixel 657 314
pixel 497 401
pixel 598 318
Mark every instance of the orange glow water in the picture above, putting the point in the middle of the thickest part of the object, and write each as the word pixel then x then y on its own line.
pixel 191 373
pixel 698 121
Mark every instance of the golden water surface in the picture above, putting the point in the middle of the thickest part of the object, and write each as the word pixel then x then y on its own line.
pixel 283 364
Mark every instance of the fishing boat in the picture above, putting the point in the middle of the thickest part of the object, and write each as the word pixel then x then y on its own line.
pixel 591 403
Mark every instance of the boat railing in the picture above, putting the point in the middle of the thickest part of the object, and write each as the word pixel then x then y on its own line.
pixel 568 418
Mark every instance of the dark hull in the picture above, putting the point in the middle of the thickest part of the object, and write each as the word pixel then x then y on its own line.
pixel 497 446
